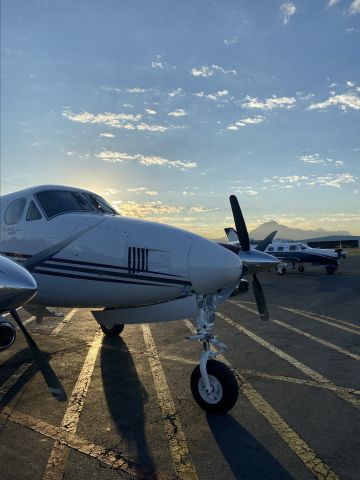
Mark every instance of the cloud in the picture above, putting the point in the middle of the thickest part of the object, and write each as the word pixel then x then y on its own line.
pixel 179 112
pixel 149 111
pixel 286 11
pixel 246 121
pixel 107 135
pixel 136 90
pixel 355 7
pixel 220 94
pixel 331 3
pixel 174 93
pixel 208 71
pixel 157 210
pixel 127 121
pixel 160 64
pixel 314 158
pixel 330 180
pixel 231 41
pixel 144 190
pixel 269 103
pixel 343 101
pixel 147 160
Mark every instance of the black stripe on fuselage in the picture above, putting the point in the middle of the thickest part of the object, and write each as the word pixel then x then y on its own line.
pixel 91 264
pixel 50 265
pixel 96 279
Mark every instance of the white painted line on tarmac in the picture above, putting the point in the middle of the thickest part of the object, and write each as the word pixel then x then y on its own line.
pixel 56 464
pixel 339 391
pixel 301 449
pixel 348 327
pixel 325 343
pixel 181 457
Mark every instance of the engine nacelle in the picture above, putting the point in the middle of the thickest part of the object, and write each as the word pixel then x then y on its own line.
pixel 7 333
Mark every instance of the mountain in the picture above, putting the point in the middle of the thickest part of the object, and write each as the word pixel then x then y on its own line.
pixel 287 233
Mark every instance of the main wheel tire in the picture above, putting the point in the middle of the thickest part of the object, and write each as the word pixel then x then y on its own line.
pixel 112 330
pixel 330 269
pixel 301 268
pixel 225 388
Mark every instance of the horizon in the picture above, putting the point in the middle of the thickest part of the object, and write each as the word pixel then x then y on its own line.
pixel 166 110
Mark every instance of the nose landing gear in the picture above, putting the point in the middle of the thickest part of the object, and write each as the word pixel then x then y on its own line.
pixel 213 384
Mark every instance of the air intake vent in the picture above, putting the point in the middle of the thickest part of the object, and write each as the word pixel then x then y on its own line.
pixel 138 260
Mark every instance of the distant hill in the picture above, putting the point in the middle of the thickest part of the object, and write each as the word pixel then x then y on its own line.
pixel 287 233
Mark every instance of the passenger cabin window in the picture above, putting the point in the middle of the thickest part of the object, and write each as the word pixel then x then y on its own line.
pixel 33 212
pixel 280 249
pixel 14 211
pixel 55 202
pixel 270 249
pixel 293 247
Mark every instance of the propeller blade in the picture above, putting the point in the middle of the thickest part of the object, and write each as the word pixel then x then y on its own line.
pixel 53 383
pixel 267 240
pixel 240 224
pixel 260 299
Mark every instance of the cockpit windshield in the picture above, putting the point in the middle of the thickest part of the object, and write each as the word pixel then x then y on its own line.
pixel 55 202
pixel 302 246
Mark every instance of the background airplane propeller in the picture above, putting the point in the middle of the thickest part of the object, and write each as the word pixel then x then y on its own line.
pixel 243 236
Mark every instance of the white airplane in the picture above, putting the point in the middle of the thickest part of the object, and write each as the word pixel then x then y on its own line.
pixel 81 253
pixel 297 253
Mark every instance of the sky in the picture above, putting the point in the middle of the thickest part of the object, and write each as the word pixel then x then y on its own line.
pixel 166 108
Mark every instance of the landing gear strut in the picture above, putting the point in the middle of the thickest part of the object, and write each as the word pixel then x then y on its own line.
pixel 213 384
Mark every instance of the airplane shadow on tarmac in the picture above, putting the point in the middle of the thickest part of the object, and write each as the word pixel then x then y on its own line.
pixel 246 457
pixel 125 397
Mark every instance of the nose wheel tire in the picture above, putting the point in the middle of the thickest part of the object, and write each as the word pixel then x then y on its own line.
pixel 112 330
pixel 224 388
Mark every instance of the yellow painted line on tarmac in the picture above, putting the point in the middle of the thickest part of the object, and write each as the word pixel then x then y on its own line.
pixel 69 439
pixel 309 372
pixel 292 439
pixel 56 464
pixel 179 450
pixel 325 343
pixel 62 324
pixel 344 325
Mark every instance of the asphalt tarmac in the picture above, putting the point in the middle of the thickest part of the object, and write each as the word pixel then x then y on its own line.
pixel 131 414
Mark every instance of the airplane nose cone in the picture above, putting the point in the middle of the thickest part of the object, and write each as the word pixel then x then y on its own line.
pixel 17 285
pixel 212 267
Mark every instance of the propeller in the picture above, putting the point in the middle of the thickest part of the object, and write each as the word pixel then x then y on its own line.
pixel 245 254
pixel 52 381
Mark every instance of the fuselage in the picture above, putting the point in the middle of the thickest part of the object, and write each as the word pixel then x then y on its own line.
pixel 300 253
pixel 115 261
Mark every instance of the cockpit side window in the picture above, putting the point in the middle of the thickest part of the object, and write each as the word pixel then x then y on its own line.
pixel 55 202
pixel 14 211
pixel 33 212
pixel 99 203
pixel 302 246
pixel 293 247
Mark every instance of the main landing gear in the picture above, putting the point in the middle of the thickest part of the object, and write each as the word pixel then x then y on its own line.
pixel 330 269
pixel 112 330
pixel 213 384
